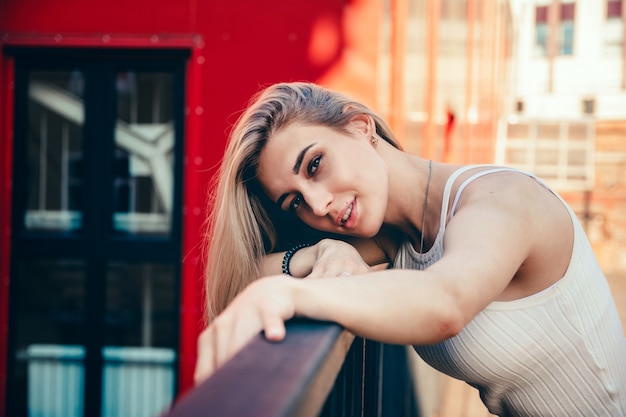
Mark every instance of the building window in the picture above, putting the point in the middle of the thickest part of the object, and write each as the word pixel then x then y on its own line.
pixel 541 30
pixel 144 142
pixel 566 29
pixel 613 28
pixel 588 106
pixel 560 152
pixel 55 142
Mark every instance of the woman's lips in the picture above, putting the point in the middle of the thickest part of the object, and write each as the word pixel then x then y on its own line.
pixel 346 214
pixel 348 217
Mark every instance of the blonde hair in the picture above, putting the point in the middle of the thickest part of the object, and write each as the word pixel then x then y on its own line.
pixel 243 226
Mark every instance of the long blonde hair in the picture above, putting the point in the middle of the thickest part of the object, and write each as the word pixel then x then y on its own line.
pixel 242 225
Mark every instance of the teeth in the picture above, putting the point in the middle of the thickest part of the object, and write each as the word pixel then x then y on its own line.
pixel 346 215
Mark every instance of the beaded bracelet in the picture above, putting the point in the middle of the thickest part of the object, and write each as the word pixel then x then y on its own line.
pixel 289 254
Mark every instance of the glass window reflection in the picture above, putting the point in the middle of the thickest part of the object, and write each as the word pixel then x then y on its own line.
pixel 143 157
pixel 55 157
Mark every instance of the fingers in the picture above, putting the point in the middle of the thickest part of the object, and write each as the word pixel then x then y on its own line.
pixel 229 334
pixel 273 326
pixel 205 364
pixel 217 344
pixel 263 306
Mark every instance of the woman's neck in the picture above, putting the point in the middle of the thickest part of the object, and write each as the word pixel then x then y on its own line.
pixel 410 178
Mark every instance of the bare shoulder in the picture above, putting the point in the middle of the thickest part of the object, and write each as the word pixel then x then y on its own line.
pixel 525 217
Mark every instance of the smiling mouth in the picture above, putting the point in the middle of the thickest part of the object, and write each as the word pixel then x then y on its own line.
pixel 347 214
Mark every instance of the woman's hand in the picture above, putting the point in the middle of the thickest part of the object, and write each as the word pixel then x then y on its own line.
pixel 264 305
pixel 337 258
pixel 328 258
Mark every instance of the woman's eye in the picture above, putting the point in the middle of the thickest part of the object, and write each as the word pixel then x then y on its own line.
pixel 295 203
pixel 313 165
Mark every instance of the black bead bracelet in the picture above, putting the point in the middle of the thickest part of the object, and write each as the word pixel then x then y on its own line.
pixel 289 254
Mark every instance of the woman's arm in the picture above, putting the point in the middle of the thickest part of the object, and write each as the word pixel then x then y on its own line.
pixel 491 235
pixel 509 238
pixel 485 244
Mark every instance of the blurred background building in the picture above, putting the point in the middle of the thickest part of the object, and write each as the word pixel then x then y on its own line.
pixel 567 111
pixel 114 116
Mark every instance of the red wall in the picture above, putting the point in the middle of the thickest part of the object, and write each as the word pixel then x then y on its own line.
pixel 237 46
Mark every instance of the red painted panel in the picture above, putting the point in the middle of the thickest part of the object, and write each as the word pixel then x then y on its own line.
pixel 78 16
pixel 237 46
pixel 193 216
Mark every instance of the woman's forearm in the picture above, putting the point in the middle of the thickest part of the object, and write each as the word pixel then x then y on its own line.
pixel 393 306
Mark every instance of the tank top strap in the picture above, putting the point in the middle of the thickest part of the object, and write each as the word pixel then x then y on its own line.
pixel 476 176
pixel 446 191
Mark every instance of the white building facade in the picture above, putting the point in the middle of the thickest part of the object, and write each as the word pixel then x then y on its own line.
pixel 568 74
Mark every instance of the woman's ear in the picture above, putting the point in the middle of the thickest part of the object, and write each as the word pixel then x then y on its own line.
pixel 363 124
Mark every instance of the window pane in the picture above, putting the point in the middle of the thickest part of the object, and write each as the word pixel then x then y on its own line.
pixel 141 305
pixel 541 14
pixel 548 131
pixel 567 11
pixel 613 36
pixel 578 132
pixel 541 39
pixel 55 119
pixel 144 144
pixel 49 317
pixel 556 151
pixel 566 39
pixel 141 335
pixel 577 157
pixel 614 9
pixel 518 131
pixel 547 157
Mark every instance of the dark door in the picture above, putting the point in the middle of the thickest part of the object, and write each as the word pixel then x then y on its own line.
pixel 96 232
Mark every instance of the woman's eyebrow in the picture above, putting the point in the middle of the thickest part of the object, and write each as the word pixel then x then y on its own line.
pixel 300 158
pixel 296 169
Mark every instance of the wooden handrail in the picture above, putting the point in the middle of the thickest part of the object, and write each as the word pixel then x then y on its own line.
pixel 319 369
pixel 290 378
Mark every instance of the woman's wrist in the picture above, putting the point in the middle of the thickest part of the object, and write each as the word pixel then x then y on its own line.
pixel 299 263
pixel 287 257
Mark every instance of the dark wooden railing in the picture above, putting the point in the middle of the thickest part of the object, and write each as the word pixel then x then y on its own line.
pixel 319 369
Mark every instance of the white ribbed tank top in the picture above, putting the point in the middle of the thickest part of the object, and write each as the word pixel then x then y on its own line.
pixel 560 352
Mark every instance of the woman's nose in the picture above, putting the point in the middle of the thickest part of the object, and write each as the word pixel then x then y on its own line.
pixel 319 200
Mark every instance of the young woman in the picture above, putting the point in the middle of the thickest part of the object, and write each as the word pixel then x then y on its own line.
pixel 490 276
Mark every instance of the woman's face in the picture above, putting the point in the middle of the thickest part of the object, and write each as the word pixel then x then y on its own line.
pixel 333 181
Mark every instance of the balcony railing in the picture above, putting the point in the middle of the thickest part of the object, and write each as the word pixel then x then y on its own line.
pixel 319 369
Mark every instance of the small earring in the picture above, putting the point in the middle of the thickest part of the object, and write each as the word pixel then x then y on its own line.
pixel 374 140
